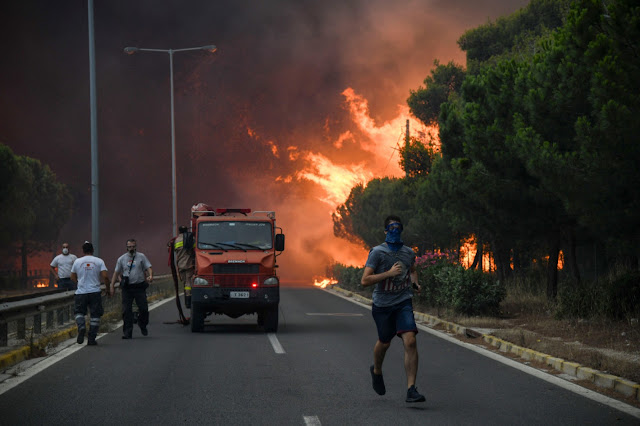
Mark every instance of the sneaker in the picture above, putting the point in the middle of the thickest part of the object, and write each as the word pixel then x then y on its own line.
pixel 80 338
pixel 414 396
pixel 378 382
pixel 144 331
pixel 126 336
pixel 92 342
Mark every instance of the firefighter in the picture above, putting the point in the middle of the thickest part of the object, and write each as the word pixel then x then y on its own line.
pixel 184 249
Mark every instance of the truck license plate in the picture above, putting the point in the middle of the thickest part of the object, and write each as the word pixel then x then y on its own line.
pixel 239 294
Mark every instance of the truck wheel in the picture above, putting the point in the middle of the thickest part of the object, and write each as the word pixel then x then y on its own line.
pixel 271 320
pixel 197 319
pixel 260 318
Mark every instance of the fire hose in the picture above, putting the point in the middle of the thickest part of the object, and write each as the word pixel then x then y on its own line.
pixel 174 273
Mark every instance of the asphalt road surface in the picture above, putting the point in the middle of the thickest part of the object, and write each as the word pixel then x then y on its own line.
pixel 314 371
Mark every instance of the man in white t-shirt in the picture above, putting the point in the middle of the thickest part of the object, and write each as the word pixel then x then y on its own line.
pixel 63 262
pixel 87 272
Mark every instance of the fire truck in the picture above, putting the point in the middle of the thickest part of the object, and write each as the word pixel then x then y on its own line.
pixel 235 265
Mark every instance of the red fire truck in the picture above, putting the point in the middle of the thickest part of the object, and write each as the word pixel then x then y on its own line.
pixel 235 265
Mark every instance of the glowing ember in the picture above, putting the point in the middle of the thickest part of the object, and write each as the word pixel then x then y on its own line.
pixel 324 282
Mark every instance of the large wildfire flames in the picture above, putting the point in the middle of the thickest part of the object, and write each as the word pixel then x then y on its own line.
pixel 291 112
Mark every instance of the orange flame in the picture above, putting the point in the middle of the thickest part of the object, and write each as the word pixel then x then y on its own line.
pixel 323 283
pixel 42 283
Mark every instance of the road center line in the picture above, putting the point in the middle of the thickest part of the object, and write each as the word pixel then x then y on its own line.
pixel 277 347
pixel 311 420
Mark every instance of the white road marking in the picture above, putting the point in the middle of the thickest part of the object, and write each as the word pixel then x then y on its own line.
pixel 48 361
pixel 572 387
pixel 277 347
pixel 311 420
pixel 335 314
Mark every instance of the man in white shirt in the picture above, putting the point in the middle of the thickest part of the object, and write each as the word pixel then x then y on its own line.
pixel 87 272
pixel 63 263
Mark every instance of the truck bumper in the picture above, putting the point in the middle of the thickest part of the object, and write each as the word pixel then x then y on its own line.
pixel 219 300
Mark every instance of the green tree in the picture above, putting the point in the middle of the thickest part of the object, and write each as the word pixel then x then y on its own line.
pixel 416 157
pixel 363 213
pixel 424 103
pixel 35 206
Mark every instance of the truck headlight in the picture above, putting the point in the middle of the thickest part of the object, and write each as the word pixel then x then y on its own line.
pixel 271 281
pixel 203 282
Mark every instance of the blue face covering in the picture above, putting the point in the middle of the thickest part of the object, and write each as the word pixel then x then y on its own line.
pixel 394 237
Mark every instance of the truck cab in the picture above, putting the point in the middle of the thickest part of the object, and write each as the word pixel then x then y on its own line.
pixel 235 265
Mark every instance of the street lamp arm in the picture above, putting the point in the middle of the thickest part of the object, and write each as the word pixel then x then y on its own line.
pixel 131 50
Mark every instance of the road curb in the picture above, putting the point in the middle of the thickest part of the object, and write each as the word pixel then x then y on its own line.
pixel 11 358
pixel 581 372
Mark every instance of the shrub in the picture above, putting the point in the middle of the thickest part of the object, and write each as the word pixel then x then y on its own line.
pixel 469 291
pixel 349 278
pixel 623 299
pixel 617 297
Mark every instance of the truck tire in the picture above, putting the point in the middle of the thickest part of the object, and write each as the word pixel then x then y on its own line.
pixel 260 319
pixel 271 320
pixel 197 319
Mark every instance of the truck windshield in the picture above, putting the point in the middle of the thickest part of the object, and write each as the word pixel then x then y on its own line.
pixel 235 235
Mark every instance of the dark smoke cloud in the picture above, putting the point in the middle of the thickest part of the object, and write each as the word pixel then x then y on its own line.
pixel 279 73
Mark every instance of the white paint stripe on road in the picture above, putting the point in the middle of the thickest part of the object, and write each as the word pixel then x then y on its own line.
pixel 572 387
pixel 335 314
pixel 311 420
pixel 277 347
pixel 49 360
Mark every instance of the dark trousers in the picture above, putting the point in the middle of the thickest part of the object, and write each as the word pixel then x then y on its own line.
pixel 93 301
pixel 139 294
pixel 66 284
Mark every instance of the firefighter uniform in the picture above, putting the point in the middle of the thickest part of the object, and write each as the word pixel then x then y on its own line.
pixel 185 262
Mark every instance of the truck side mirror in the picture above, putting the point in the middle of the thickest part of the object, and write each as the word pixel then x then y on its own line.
pixel 279 242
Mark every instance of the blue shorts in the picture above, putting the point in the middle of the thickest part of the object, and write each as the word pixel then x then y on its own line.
pixel 394 320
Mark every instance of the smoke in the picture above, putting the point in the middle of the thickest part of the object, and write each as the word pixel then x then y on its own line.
pixel 301 101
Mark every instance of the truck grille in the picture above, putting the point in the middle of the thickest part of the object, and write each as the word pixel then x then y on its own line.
pixel 237 275
pixel 236 268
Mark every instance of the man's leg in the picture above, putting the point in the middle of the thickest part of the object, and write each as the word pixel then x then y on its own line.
pixel 143 310
pixel 127 314
pixel 96 310
pixel 379 351
pixel 187 287
pixel 410 357
pixel 80 310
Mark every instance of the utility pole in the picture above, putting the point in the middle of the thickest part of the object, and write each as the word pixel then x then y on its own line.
pixel 406 151
pixel 95 210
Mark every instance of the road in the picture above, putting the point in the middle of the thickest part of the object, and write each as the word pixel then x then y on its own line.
pixel 315 370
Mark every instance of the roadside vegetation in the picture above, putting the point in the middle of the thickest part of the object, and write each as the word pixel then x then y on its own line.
pixel 534 171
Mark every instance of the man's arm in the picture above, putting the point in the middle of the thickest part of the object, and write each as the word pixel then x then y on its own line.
pixel 149 273
pixel 369 278
pixel 54 271
pixel 74 277
pixel 116 277
pixel 414 278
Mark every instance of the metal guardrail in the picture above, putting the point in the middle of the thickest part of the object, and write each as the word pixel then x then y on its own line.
pixel 57 309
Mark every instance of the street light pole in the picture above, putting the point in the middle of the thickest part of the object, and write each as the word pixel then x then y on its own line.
pixel 95 211
pixel 131 51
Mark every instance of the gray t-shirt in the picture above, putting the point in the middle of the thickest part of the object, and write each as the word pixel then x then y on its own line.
pixel 397 289
pixel 140 264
